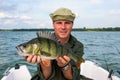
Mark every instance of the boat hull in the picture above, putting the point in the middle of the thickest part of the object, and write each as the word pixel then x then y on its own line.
pixel 88 69
pixel 95 72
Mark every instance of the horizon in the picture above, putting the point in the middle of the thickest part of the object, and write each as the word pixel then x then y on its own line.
pixel 53 28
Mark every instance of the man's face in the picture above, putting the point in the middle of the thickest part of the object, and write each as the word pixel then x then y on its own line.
pixel 62 28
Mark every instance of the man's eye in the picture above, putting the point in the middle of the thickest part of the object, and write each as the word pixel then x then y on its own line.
pixel 58 22
pixel 68 23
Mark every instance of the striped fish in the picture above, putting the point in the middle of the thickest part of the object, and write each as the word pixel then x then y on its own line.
pixel 46 46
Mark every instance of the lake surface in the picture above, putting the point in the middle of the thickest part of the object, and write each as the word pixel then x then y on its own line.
pixel 100 47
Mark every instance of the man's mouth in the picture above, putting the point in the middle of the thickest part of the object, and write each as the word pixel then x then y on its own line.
pixel 63 32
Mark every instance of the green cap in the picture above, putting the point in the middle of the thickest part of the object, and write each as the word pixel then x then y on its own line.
pixel 63 14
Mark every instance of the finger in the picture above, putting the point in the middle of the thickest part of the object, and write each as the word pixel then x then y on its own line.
pixel 29 58
pixel 34 59
pixel 66 58
pixel 61 60
pixel 57 59
pixel 38 59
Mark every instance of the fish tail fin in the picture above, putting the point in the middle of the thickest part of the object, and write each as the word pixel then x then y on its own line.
pixel 78 63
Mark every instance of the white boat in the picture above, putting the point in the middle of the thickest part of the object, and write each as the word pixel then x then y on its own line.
pixel 88 69
pixel 95 72
pixel 21 73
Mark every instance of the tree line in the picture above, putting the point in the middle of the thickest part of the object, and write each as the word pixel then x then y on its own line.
pixel 74 29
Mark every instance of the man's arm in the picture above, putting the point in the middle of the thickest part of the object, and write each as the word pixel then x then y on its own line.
pixel 62 61
pixel 46 66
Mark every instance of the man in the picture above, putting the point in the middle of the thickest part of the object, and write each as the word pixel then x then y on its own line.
pixel 63 68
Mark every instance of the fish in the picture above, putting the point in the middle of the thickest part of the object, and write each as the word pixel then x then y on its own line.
pixel 46 46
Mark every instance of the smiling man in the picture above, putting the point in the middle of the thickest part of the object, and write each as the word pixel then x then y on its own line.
pixel 62 30
pixel 62 68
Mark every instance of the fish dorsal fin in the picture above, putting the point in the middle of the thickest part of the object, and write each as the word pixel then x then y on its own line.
pixel 46 34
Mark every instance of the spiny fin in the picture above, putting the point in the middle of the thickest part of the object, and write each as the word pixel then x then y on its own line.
pixel 46 34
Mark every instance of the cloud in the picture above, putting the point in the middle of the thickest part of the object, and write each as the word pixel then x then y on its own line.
pixel 115 11
pixel 8 22
pixel 7 7
pixel 96 1
pixel 21 21
pixel 24 17
pixel 2 14
pixel 11 19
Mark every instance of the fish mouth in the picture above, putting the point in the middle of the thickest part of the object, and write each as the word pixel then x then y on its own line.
pixel 20 49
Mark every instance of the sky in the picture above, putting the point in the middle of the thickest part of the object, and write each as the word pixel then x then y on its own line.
pixel 17 14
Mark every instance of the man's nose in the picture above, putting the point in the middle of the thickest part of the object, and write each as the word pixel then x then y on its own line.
pixel 63 26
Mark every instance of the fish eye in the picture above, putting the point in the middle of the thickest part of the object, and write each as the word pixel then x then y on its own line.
pixel 25 46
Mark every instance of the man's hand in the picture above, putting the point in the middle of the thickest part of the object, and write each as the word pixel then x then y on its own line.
pixel 36 59
pixel 62 61
pixel 33 59
pixel 45 64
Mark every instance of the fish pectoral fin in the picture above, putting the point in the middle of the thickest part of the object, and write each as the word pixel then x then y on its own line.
pixel 46 62
pixel 78 63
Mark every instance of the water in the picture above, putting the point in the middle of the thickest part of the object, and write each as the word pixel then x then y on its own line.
pixel 100 47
